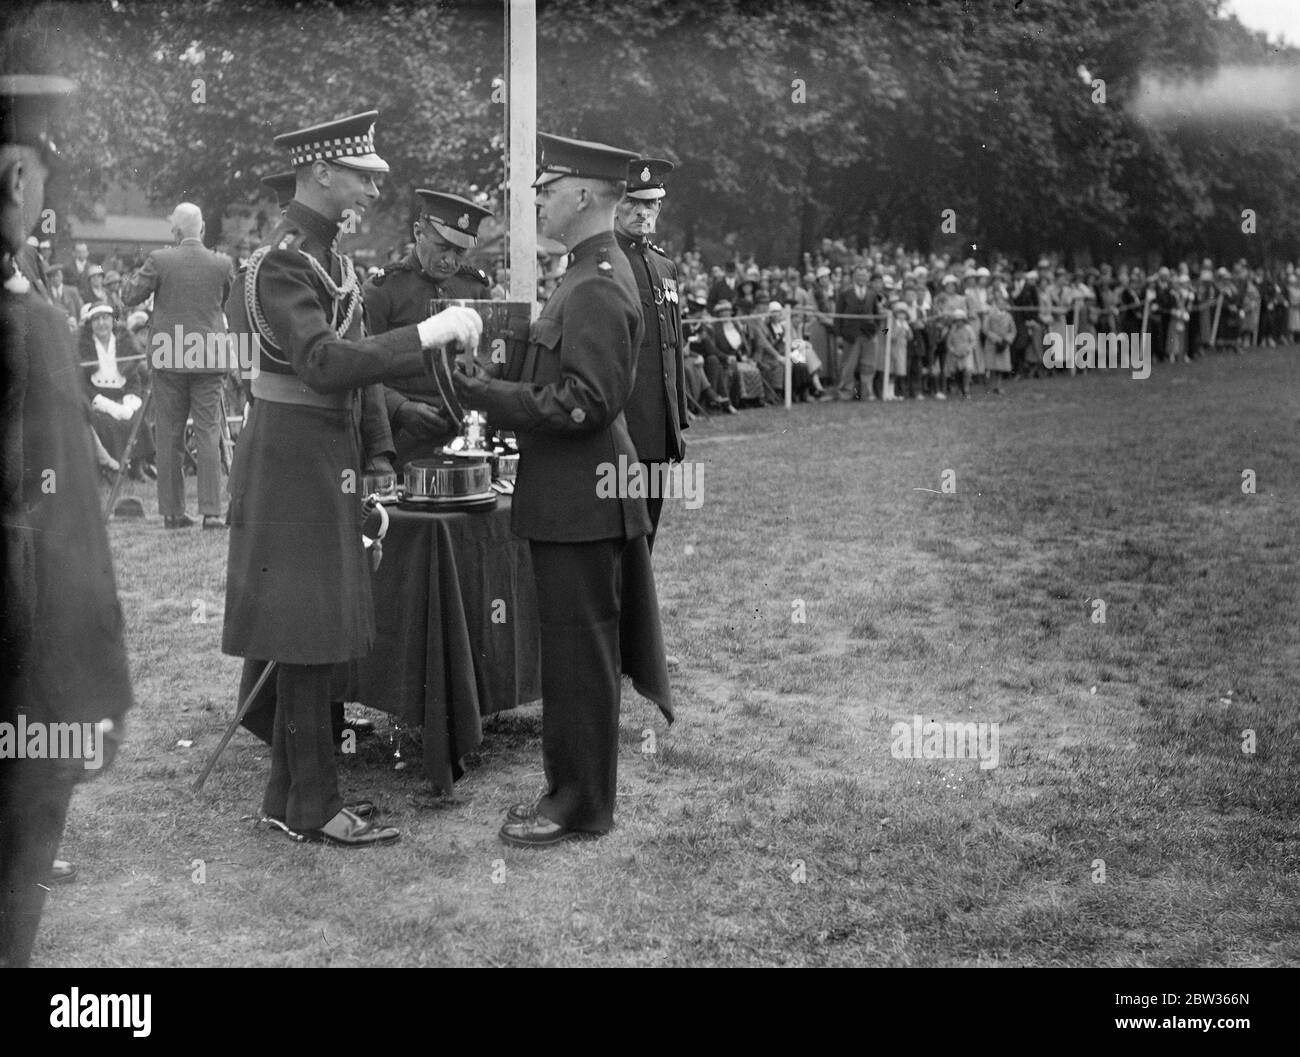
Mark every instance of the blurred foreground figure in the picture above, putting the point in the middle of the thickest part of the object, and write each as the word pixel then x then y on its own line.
pixel 64 658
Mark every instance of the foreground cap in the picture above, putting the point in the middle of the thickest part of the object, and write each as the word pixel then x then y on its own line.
pixel 645 177
pixel 454 218
pixel 26 103
pixel 558 157
pixel 349 141
pixel 282 185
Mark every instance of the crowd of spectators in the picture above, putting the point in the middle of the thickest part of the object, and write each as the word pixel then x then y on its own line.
pixel 884 324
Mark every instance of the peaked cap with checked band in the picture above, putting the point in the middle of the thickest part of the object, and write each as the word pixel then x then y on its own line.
pixel 349 141
pixel 455 219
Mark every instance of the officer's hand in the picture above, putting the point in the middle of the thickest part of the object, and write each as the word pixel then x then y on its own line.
pixel 456 324
pixel 470 389
pixel 421 421
pixel 379 464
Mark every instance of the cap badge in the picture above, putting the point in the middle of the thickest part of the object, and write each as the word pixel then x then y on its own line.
pixel 463 222
pixel 645 174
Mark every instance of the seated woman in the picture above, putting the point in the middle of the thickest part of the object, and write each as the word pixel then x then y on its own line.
pixel 114 385
pixel 699 390
pixel 728 359
pixel 769 351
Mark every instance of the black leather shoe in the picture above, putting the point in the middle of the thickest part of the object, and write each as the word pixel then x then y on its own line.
pixel 180 521
pixel 62 873
pixel 214 521
pixel 346 830
pixel 540 832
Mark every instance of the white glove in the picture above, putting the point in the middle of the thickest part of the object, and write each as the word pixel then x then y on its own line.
pixel 455 324
pixel 131 402
pixel 110 407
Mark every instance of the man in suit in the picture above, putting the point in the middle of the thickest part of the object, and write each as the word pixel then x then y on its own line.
pixel 298 581
pixel 65 661
pixel 434 270
pixel 656 411
pixel 64 297
pixel 189 283
pixel 78 270
pixel 564 398
pixel 724 288
pixel 856 334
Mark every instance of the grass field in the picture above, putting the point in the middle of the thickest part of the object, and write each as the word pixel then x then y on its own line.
pixel 1124 823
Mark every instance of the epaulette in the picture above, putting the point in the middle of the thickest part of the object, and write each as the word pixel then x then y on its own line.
pixel 477 274
pixel 291 240
pixel 602 262
pixel 658 249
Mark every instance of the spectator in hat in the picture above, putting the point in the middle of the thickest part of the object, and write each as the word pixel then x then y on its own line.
pixel 728 358
pixel 113 294
pixel 962 345
pixel 698 385
pixel 821 329
pixel 64 297
pixel 95 286
pixel 115 385
pixel 898 340
pixel 999 335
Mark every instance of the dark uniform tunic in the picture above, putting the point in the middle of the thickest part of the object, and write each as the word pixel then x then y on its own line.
pixel 656 412
pixel 405 294
pixel 62 636
pixel 596 599
pixel 298 580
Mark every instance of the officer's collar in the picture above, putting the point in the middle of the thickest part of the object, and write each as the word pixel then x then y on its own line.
pixel 589 246
pixel 638 241
pixel 312 222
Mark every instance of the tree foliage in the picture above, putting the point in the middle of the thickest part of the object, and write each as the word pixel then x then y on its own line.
pixel 790 119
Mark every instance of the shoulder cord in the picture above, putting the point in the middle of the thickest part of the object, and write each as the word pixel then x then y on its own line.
pixel 347 290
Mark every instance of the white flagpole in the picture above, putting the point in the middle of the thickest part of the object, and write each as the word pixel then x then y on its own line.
pixel 521 112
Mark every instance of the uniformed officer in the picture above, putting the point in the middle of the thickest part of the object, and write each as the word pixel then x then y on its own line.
pixel 564 399
pixel 298 584
pixel 656 412
pixel 434 270
pixel 62 634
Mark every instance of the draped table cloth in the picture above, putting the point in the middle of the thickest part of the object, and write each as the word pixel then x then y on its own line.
pixel 457 635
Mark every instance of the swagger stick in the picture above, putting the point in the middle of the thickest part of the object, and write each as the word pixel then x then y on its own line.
pixel 234 724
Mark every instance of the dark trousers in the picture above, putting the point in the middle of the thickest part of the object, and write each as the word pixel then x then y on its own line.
pixel 260 717
pixel 34 797
pixel 303 790
pixel 179 395
pixel 579 599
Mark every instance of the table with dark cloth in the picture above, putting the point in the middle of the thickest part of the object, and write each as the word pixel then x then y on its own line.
pixel 456 630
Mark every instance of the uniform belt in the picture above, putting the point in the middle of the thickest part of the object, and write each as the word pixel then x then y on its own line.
pixel 290 389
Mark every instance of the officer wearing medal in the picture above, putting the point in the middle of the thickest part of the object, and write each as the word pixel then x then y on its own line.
pixel 298 582
pixel 435 270
pixel 62 630
pixel 656 412
pixel 564 398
